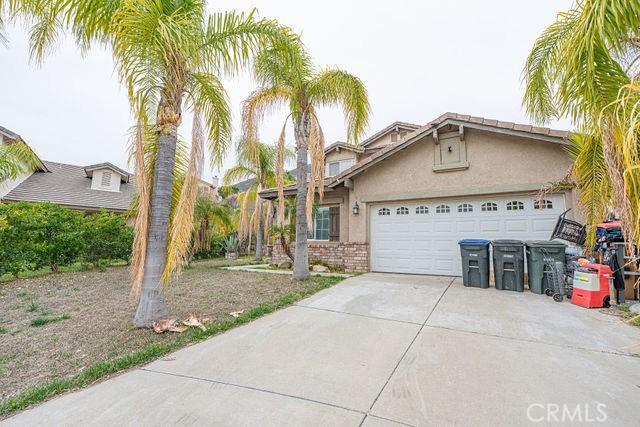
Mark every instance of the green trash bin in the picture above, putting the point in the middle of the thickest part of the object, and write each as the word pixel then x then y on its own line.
pixel 537 250
pixel 475 262
pixel 508 264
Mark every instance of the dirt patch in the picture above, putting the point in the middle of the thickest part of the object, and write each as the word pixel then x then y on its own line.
pixel 94 313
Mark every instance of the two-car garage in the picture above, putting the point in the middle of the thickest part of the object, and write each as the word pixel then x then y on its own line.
pixel 422 237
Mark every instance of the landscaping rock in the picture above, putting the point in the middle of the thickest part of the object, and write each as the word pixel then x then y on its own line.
pixel 319 268
pixel 635 308
pixel 284 264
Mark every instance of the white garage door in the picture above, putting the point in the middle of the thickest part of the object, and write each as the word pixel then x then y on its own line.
pixel 422 238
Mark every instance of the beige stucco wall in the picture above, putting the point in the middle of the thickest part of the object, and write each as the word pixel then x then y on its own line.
pixel 498 164
pixel 335 155
pixel 383 140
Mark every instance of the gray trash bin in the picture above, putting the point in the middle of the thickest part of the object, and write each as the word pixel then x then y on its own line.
pixel 537 251
pixel 475 262
pixel 508 264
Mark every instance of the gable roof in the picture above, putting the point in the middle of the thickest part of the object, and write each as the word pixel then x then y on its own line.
pixel 393 126
pixel 69 186
pixel 481 123
pixel 339 145
pixel 15 137
pixel 88 170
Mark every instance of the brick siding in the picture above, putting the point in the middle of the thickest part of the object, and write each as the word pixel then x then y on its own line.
pixel 352 257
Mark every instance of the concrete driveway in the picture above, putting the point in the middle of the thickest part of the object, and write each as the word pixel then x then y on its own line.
pixel 384 350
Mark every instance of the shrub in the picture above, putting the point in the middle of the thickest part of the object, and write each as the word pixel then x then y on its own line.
pixel 36 235
pixel 106 236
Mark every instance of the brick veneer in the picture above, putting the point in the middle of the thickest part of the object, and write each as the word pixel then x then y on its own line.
pixel 352 257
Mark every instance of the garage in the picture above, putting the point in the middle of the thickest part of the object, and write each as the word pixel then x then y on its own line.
pixel 422 237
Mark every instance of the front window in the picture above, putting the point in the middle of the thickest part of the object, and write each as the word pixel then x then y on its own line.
pixel 321 224
pixel 337 167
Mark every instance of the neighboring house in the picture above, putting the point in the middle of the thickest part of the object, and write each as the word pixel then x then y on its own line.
pixel 9 137
pixel 89 188
pixel 402 199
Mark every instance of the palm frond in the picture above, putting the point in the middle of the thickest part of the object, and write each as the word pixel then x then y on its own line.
pixel 334 87
pixel 17 158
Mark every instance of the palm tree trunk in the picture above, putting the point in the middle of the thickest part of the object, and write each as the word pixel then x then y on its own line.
pixel 259 236
pixel 151 306
pixel 301 258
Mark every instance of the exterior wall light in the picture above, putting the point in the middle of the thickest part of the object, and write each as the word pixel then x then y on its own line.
pixel 356 209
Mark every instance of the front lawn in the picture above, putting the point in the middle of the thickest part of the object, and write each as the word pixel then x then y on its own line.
pixel 57 331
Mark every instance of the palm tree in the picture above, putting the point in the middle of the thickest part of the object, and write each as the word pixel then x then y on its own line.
pixel 169 54
pixel 17 158
pixel 293 81
pixel 211 219
pixel 585 67
pixel 256 163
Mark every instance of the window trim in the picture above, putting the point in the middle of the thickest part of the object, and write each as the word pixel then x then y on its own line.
pixel 465 208
pixel 402 210
pixel 387 212
pixel 315 229
pixel 509 206
pixel 484 207
pixel 422 210
pixel 542 204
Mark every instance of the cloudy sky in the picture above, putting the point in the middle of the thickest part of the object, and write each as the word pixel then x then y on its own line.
pixel 418 59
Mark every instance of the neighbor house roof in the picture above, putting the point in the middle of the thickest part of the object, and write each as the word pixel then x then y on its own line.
pixel 15 137
pixel 106 165
pixel 481 123
pixel 68 185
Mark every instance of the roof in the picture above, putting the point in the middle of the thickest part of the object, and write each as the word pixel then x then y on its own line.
pixel 339 145
pixel 14 136
pixel 106 165
pixel 393 126
pixel 9 134
pixel 523 130
pixel 69 186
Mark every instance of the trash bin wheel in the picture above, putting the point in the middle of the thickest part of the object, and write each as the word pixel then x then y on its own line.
pixel 557 297
pixel 548 292
pixel 606 303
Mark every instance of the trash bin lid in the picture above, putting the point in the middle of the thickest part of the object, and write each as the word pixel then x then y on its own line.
pixel 545 244
pixel 507 242
pixel 474 242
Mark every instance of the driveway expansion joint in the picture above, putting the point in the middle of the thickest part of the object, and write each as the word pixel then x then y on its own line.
pixel 358 315
pixel 246 387
pixel 395 368
pixel 526 340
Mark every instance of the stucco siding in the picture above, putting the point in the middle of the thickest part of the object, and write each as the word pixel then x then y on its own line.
pixel 383 140
pixel 497 164
pixel 335 155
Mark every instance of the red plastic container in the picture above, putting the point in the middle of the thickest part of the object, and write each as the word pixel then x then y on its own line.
pixel 591 285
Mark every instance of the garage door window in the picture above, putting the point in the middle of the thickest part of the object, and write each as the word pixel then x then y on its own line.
pixel 422 210
pixel 543 204
pixel 402 211
pixel 384 212
pixel 465 207
pixel 443 209
pixel 515 206
pixel 489 207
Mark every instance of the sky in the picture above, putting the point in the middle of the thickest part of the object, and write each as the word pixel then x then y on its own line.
pixel 417 58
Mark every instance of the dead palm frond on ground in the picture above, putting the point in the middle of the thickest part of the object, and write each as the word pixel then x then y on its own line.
pixel 293 82
pixel 170 55
pixel 583 67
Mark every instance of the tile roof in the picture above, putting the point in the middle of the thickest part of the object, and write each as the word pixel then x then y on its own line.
pixel 68 185
pixel 482 122
pixel 392 126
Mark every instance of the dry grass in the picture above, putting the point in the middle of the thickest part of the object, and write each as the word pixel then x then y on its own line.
pixel 98 315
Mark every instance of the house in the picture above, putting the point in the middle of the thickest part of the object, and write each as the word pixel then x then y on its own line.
pixel 87 188
pixel 8 137
pixel 401 200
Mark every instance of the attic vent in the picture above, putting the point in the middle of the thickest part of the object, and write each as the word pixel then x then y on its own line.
pixel 106 179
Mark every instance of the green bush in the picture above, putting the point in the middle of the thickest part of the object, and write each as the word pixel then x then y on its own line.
pixel 37 235
pixel 106 236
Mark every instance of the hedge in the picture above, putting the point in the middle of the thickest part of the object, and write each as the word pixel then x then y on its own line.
pixel 37 235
